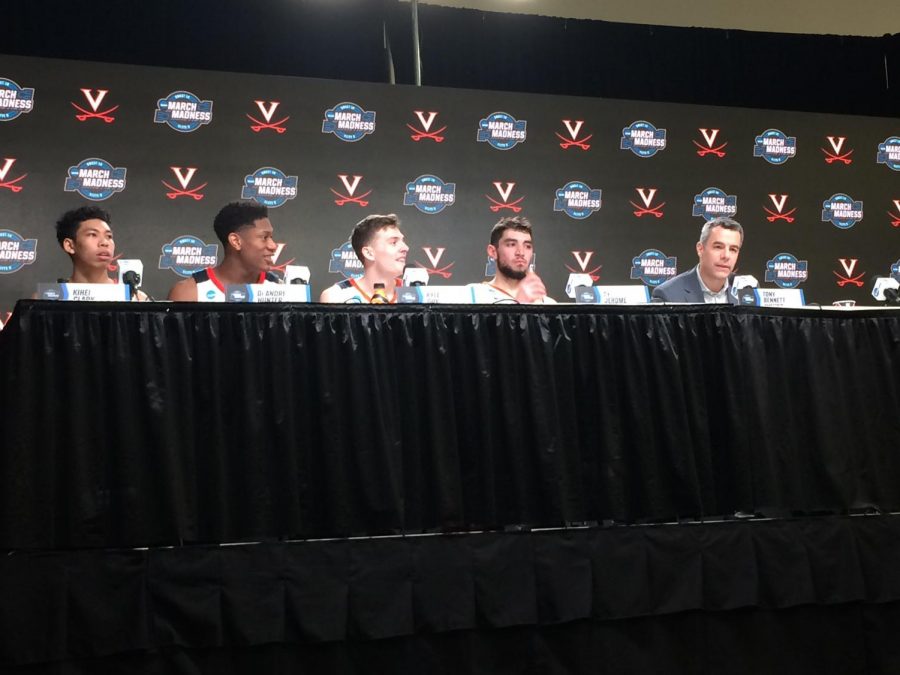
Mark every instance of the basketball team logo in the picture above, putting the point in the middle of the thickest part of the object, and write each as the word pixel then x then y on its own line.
pixel 429 194
pixel 184 176
pixel 895 216
pixel 785 271
pixel 344 262
pixel 577 200
pixel 714 203
pixel 94 100
pixel 183 111
pixel 779 204
pixel 849 276
pixel 349 122
pixel 349 196
pixel 646 207
pixel 95 179
pixel 501 131
pixel 842 211
pixel 775 146
pixel 653 267
pixel 424 131
pixel 643 139
pixel 504 191
pixel 14 100
pixel 889 153
pixel 16 251
pixel 267 112
pixel 712 145
pixel 187 254
pixel 6 179
pixel 435 267
pixel 270 187
pixel 838 150
pixel 583 260
pixel 572 139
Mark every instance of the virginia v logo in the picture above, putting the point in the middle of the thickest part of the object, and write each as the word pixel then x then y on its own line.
pixel 350 184
pixel 710 136
pixel 778 201
pixel 583 258
pixel 267 110
pixel 184 177
pixel 849 267
pixel 574 128
pixel 426 119
pixel 434 257
pixel 646 196
pixel 837 144
pixel 504 190
pixel 10 185
pixel 95 101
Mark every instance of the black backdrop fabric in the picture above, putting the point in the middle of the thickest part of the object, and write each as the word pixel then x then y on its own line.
pixel 159 424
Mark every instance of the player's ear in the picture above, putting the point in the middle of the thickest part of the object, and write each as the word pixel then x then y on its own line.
pixel 368 253
pixel 235 240
pixel 492 251
pixel 68 246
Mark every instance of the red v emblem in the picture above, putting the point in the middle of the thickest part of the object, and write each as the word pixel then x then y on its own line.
pixel 267 111
pixel 647 195
pixel 504 194
pixel 583 258
pixel 573 129
pixel 350 185
pixel 425 122
pixel 8 162
pixel 93 101
pixel 837 144
pixel 434 257
pixel 850 265
pixel 778 201
pixel 184 178
pixel 709 135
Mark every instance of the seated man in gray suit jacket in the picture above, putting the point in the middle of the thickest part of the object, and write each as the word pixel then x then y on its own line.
pixel 718 249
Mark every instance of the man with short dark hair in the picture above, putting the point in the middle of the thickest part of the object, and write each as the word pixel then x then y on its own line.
pixel 381 248
pixel 249 247
pixel 708 282
pixel 84 233
pixel 512 248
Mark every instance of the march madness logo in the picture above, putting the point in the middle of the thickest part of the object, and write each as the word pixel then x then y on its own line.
pixel 426 120
pixel 889 153
pixel 714 203
pixel 573 128
pixel 779 202
pixel 94 100
pixel 11 184
pixel 16 251
pixel 775 147
pixel 842 211
pixel 785 271
pixel 647 195
pixel 95 179
pixel 429 194
pixel 349 196
pixel 643 139
pixel 434 268
pixel 895 217
pixel 187 254
pixel 848 265
pixel 183 111
pixel 14 100
pixel 501 131
pixel 713 146
pixel 270 187
pixel 348 122
pixel 583 260
pixel 577 200
pixel 184 176
pixel 837 153
pixel 653 267
pixel 267 111
pixel 504 190
pixel 344 262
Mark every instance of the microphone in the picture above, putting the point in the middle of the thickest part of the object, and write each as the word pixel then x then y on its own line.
pixel 133 280
pixel 296 274
pixel 576 280
pixel 886 289
pixel 415 276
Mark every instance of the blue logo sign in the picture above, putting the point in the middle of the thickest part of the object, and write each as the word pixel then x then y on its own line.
pixel 643 139
pixel 775 147
pixel 889 153
pixel 183 111
pixel 714 203
pixel 577 200
pixel 187 254
pixel 841 211
pixel 785 271
pixel 95 179
pixel 16 251
pixel 269 186
pixel 344 261
pixel 501 130
pixel 653 267
pixel 348 122
pixel 429 194
pixel 14 100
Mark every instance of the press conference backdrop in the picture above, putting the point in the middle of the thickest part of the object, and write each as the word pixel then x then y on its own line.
pixel 617 189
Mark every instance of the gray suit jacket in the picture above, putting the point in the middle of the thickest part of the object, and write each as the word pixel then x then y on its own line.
pixel 684 288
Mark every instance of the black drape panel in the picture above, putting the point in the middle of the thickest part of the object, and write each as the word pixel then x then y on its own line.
pixel 816 595
pixel 161 424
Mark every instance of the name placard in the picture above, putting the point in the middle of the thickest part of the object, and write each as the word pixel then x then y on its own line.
pixel 447 295
pixel 613 295
pixel 779 297
pixel 85 292
pixel 267 293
